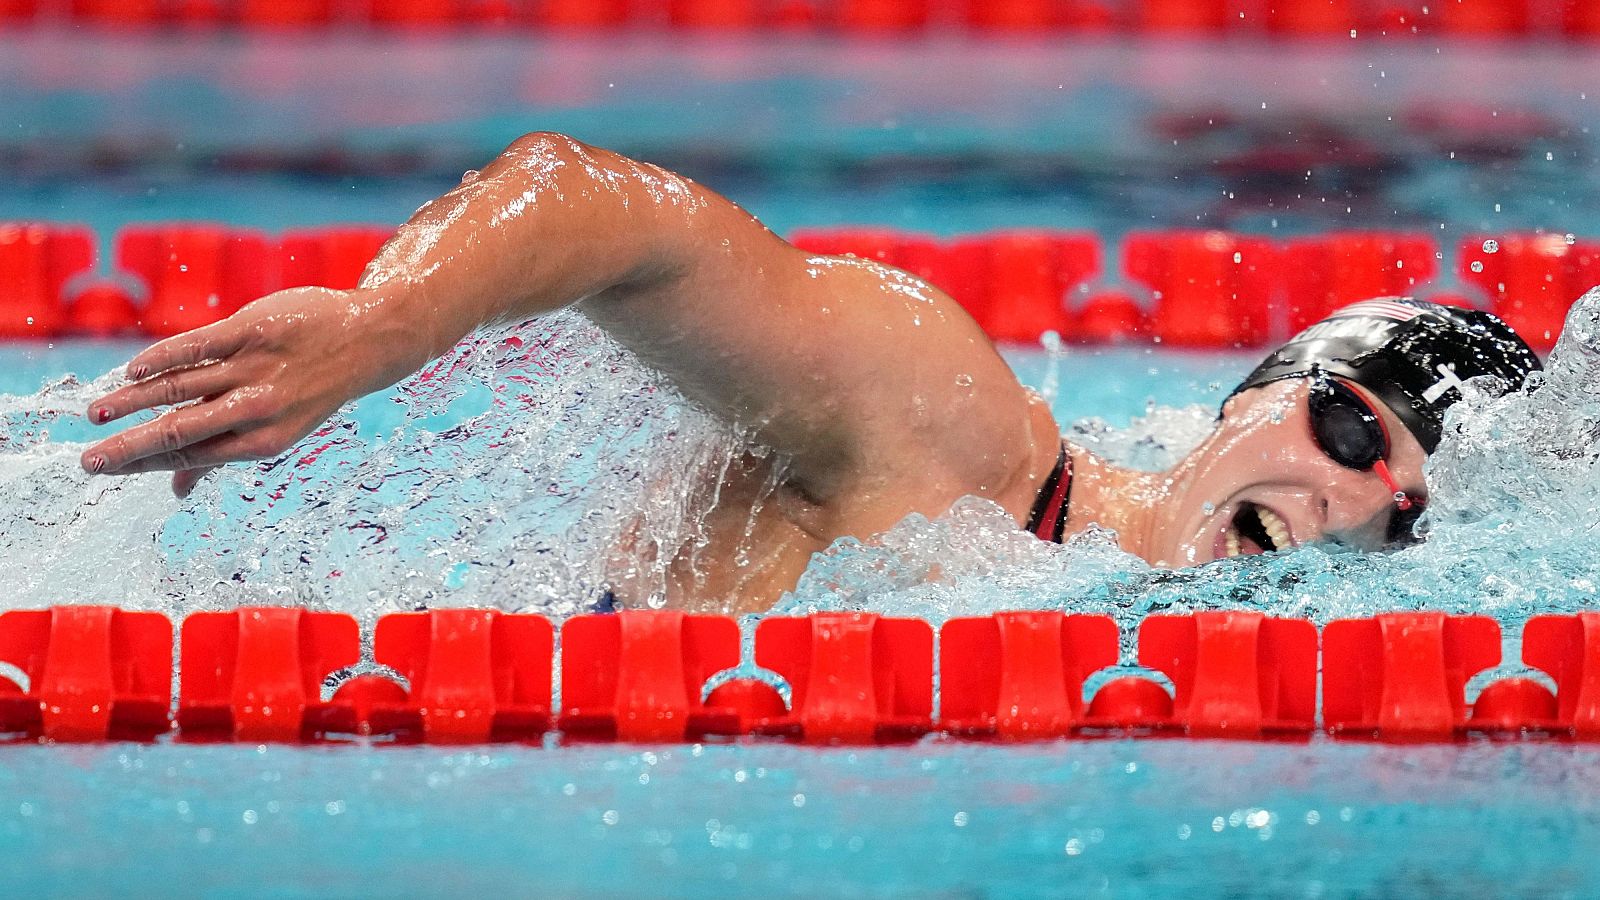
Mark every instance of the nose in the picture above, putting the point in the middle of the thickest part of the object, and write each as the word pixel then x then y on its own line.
pixel 1356 502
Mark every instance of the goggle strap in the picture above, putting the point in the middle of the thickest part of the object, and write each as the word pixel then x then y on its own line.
pixel 1401 500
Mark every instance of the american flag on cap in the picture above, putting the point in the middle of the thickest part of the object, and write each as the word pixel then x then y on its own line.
pixel 1381 308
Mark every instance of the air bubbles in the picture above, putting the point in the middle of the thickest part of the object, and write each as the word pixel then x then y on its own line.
pixel 1477 265
pixel 1491 245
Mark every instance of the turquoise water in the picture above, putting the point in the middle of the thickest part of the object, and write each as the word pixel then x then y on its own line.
pixel 1093 818
pixel 498 488
pixel 943 135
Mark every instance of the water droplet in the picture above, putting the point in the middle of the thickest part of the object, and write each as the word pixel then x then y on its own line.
pixel 1477 265
pixel 1492 245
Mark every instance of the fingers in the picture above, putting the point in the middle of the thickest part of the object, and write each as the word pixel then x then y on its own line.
pixel 202 455
pixel 168 442
pixel 184 480
pixel 168 389
pixel 213 342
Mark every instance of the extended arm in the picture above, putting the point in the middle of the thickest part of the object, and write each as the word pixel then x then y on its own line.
pixel 824 358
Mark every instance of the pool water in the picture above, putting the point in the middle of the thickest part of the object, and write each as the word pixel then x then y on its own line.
pixel 495 486
pixel 1088 818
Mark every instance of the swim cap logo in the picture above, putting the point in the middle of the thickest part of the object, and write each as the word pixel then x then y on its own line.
pixel 1443 385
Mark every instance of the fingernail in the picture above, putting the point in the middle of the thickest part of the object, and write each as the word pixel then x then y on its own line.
pixel 96 463
pixel 138 372
pixel 102 415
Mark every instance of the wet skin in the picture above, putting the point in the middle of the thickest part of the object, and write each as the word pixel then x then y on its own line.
pixel 880 394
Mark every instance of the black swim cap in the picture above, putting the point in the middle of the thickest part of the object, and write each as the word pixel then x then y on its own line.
pixel 1411 354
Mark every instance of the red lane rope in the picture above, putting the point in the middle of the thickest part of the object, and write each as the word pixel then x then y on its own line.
pixel 256 674
pixel 1193 289
pixel 1345 19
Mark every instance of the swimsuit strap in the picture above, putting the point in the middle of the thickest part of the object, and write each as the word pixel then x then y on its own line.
pixel 1049 515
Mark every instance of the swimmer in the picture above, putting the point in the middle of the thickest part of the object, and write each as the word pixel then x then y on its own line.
pixel 879 393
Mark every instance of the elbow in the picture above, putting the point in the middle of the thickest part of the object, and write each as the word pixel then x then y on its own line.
pixel 549 145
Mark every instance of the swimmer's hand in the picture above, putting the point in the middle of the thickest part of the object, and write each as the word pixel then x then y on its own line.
pixel 250 386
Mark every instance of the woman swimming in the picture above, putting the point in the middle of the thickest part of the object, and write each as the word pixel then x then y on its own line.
pixel 880 394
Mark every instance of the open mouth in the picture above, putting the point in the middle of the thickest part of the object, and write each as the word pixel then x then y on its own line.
pixel 1256 529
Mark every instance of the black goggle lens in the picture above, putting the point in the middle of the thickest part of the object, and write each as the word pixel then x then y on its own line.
pixel 1345 426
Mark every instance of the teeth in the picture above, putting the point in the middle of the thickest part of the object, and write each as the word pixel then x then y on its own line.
pixel 1233 541
pixel 1277 529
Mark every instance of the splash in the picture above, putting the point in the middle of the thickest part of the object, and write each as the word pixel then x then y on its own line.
pixel 501 476
pixel 1513 529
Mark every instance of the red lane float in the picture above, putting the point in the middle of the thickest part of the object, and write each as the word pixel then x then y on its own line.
pixel 1581 18
pixel 1322 274
pixel 722 15
pixel 884 15
pixel 1403 676
pixel 417 13
pixel 1201 289
pixel 1568 649
pixel 1346 18
pixel 285 13
pixel 1020 675
pixel 329 257
pixel 94 673
pixel 580 13
pixel 1484 18
pixel 853 677
pixel 1531 280
pixel 103 310
pixel 195 274
pixel 118 13
pixel 1161 16
pixel 1016 15
pixel 476 675
pixel 1234 674
pixel 1110 318
pixel 36 261
pixel 1211 289
pixel 256 674
pixel 1028 277
pixel 637 675
pixel 1314 17
pixel 14 11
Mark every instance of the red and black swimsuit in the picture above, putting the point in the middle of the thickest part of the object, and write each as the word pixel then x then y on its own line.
pixel 1049 515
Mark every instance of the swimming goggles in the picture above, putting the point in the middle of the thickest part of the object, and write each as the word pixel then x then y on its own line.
pixel 1351 432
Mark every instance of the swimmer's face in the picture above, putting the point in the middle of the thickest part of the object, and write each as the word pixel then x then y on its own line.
pixel 1261 482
